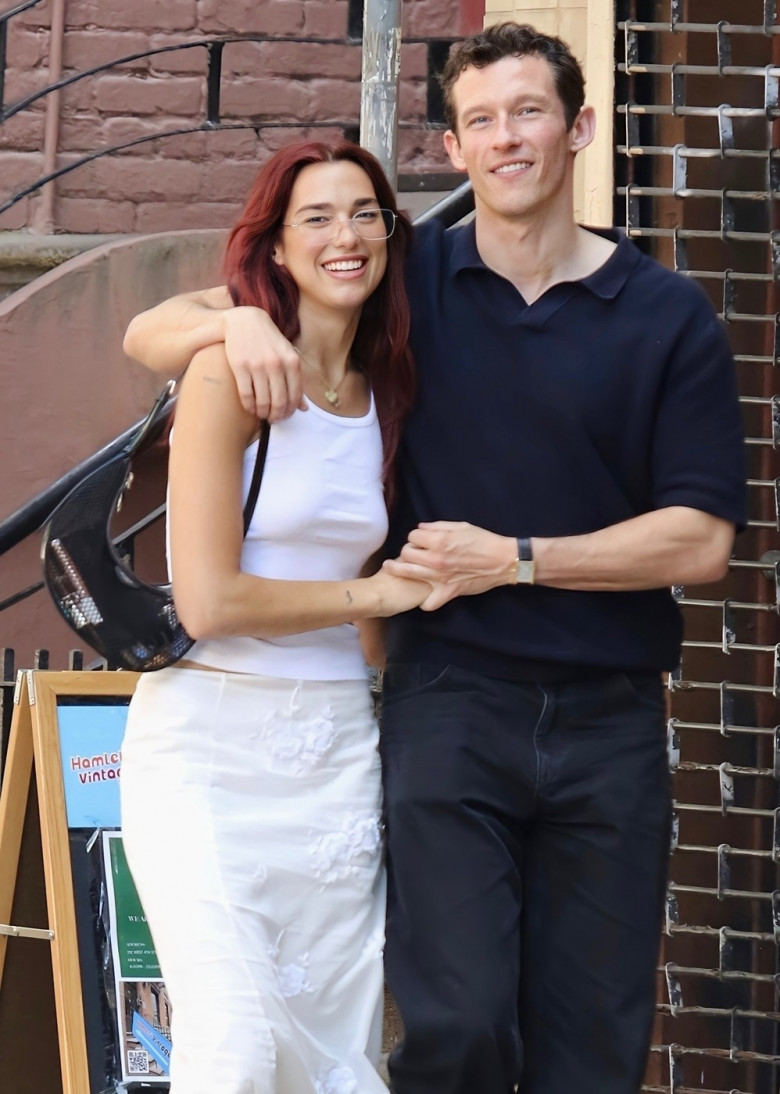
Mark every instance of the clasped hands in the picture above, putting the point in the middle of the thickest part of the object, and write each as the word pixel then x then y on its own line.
pixel 456 558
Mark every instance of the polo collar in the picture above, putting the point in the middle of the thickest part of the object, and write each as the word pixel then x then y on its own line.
pixel 606 281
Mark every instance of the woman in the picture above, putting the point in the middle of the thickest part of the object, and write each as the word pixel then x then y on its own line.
pixel 250 785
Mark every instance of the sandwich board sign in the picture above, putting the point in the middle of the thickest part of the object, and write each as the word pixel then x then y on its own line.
pixel 110 1007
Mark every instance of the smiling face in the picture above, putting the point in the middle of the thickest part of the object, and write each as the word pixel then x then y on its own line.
pixel 512 139
pixel 333 267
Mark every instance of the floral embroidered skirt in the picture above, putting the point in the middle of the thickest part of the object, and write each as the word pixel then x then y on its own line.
pixel 251 822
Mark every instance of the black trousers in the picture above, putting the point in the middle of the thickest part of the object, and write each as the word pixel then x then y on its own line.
pixel 528 838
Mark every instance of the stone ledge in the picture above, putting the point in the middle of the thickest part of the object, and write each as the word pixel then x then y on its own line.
pixel 47 251
pixel 25 255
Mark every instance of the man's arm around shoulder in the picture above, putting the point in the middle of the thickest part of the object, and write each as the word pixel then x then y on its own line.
pixel 266 367
pixel 166 338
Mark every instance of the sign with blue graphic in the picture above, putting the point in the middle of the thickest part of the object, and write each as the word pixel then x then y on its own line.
pixel 155 1043
pixel 91 751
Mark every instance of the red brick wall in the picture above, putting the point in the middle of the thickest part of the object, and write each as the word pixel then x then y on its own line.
pixel 197 180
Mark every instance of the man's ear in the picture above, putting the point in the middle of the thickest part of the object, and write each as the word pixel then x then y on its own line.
pixel 453 150
pixel 584 129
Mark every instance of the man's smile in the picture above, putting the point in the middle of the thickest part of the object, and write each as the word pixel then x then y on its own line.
pixel 511 168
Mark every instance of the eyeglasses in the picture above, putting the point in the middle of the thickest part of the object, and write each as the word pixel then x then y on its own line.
pixel 367 223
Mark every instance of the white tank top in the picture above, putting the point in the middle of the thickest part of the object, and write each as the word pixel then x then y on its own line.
pixel 319 517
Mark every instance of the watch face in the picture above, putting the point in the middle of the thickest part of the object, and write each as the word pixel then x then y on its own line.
pixel 525 572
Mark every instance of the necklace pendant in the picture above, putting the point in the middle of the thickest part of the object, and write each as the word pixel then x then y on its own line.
pixel 332 396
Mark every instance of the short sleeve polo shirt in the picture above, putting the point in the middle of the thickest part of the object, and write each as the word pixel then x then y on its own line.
pixel 604 399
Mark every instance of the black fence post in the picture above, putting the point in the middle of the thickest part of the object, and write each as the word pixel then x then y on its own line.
pixel 7 685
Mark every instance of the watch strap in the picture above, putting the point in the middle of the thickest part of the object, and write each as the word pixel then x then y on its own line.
pixel 524 551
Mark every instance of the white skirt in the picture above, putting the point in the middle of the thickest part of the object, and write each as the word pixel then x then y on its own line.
pixel 251 822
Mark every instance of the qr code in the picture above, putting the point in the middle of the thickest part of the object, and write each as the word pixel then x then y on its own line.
pixel 137 1061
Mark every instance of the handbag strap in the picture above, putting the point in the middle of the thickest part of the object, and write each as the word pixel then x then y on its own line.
pixel 257 475
pixel 146 433
pixel 150 428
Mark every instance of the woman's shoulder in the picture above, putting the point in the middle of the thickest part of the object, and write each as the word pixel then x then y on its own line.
pixel 209 396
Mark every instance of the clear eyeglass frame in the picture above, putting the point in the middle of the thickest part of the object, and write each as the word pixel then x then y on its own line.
pixel 364 224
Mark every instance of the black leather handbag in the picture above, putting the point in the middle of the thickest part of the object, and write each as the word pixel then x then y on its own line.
pixel 130 622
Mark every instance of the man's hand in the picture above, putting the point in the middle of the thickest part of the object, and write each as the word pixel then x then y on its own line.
pixel 266 366
pixel 458 559
pixel 672 546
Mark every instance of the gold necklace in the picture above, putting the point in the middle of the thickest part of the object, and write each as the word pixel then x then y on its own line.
pixel 331 390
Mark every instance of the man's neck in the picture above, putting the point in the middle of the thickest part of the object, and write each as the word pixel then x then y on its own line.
pixel 539 252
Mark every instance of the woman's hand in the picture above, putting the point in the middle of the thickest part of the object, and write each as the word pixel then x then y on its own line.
pixel 458 559
pixel 397 594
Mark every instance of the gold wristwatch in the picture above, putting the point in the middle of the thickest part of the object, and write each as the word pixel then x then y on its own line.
pixel 524 563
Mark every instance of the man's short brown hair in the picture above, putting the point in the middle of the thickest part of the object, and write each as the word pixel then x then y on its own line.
pixel 515 40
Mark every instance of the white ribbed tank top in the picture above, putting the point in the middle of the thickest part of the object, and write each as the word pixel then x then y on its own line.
pixel 319 517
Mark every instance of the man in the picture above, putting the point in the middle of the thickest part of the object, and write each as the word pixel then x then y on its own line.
pixel 574 451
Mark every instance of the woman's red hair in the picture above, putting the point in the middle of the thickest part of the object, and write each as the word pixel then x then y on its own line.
pixel 381 345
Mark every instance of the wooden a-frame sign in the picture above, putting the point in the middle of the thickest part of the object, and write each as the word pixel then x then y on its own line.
pixel 34 754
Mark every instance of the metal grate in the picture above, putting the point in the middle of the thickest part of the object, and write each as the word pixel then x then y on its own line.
pixel 698 172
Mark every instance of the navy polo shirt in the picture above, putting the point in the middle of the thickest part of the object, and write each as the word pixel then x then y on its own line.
pixel 604 399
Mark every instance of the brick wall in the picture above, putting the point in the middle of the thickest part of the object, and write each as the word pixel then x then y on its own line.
pixel 197 179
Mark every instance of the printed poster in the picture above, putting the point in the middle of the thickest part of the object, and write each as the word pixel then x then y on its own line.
pixel 134 953
pixel 91 751
pixel 143 1006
